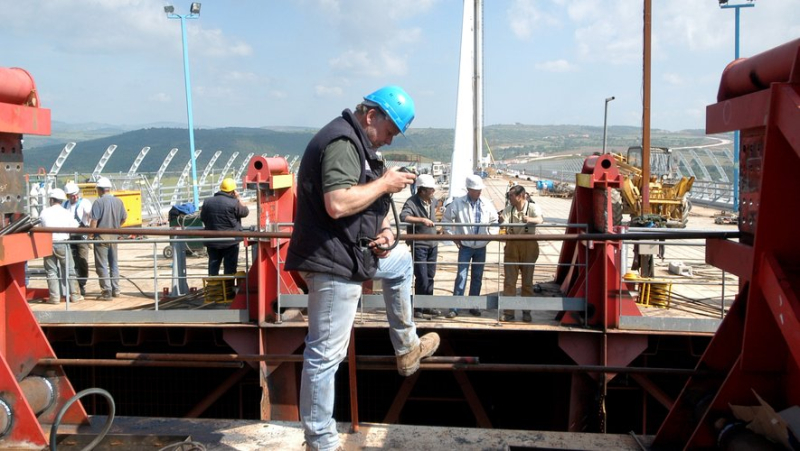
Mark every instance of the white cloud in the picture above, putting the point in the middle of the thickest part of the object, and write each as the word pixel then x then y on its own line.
pixel 526 16
pixel 389 10
pixel 361 62
pixel 672 78
pixel 354 61
pixel 116 27
pixel 612 30
pixel 215 44
pixel 609 31
pixel 160 97
pixel 328 91
pixel 699 114
pixel 379 43
pixel 556 66
pixel 216 91
pixel 236 76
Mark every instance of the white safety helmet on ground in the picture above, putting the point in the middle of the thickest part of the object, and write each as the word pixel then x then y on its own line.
pixel 426 181
pixel 71 188
pixel 104 182
pixel 474 182
pixel 57 193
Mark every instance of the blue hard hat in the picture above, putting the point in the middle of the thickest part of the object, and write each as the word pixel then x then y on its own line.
pixel 396 103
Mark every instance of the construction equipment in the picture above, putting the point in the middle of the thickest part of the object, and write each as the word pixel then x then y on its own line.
pixel 668 193
pixel 131 200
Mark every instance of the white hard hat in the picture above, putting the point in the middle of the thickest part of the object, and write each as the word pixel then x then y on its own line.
pixel 103 182
pixel 474 182
pixel 426 181
pixel 71 188
pixel 57 193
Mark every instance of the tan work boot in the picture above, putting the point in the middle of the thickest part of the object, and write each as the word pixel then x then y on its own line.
pixel 408 363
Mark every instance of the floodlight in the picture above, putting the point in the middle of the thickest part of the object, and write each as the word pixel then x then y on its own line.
pixel 169 9
pixel 195 9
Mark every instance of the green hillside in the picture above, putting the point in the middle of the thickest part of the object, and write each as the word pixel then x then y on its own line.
pixel 425 144
pixel 160 140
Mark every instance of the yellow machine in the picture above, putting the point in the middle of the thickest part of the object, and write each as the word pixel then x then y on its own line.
pixel 668 193
pixel 132 199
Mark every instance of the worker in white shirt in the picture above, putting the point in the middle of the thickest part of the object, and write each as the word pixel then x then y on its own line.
pixel 58 267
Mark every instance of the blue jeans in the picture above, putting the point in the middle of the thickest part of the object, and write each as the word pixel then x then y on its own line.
pixel 477 256
pixel 424 268
pixel 332 306
pixel 106 265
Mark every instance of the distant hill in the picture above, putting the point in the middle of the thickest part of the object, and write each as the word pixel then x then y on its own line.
pixel 160 140
pixel 423 144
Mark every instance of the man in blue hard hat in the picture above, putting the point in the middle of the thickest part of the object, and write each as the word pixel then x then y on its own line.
pixel 342 238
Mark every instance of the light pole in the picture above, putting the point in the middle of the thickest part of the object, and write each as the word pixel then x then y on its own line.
pixel 194 13
pixel 724 5
pixel 605 122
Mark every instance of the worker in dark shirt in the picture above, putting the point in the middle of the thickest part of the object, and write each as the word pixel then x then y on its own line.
pixel 419 212
pixel 223 212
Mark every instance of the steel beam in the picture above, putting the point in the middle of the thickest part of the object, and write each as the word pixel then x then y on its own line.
pixel 239 173
pixel 723 175
pixel 226 168
pixel 59 163
pixel 701 165
pixel 157 179
pixel 182 179
pixel 134 167
pixel 208 168
pixel 102 162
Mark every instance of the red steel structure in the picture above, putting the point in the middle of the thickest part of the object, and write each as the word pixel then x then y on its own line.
pixel 267 279
pixel 30 394
pixel 591 269
pixel 756 349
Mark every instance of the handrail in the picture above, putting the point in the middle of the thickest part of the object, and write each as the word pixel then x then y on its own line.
pixel 591 236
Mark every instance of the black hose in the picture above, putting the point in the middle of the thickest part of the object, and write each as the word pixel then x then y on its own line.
pixel 89 391
pixel 397 228
pixel 396 218
pixel 179 446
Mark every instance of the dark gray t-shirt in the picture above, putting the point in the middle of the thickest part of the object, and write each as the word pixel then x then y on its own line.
pixel 109 212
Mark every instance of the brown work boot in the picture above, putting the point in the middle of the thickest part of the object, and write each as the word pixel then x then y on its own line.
pixel 508 315
pixel 408 363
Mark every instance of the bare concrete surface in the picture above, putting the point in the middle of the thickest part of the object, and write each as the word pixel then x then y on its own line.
pixel 251 435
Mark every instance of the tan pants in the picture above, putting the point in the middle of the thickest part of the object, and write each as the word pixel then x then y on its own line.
pixel 519 252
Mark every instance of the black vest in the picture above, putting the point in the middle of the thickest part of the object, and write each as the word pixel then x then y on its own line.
pixel 335 246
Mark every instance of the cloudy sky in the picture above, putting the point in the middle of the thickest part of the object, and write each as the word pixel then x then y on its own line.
pixel 300 62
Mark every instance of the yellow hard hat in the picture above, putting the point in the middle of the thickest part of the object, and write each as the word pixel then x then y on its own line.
pixel 227 185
